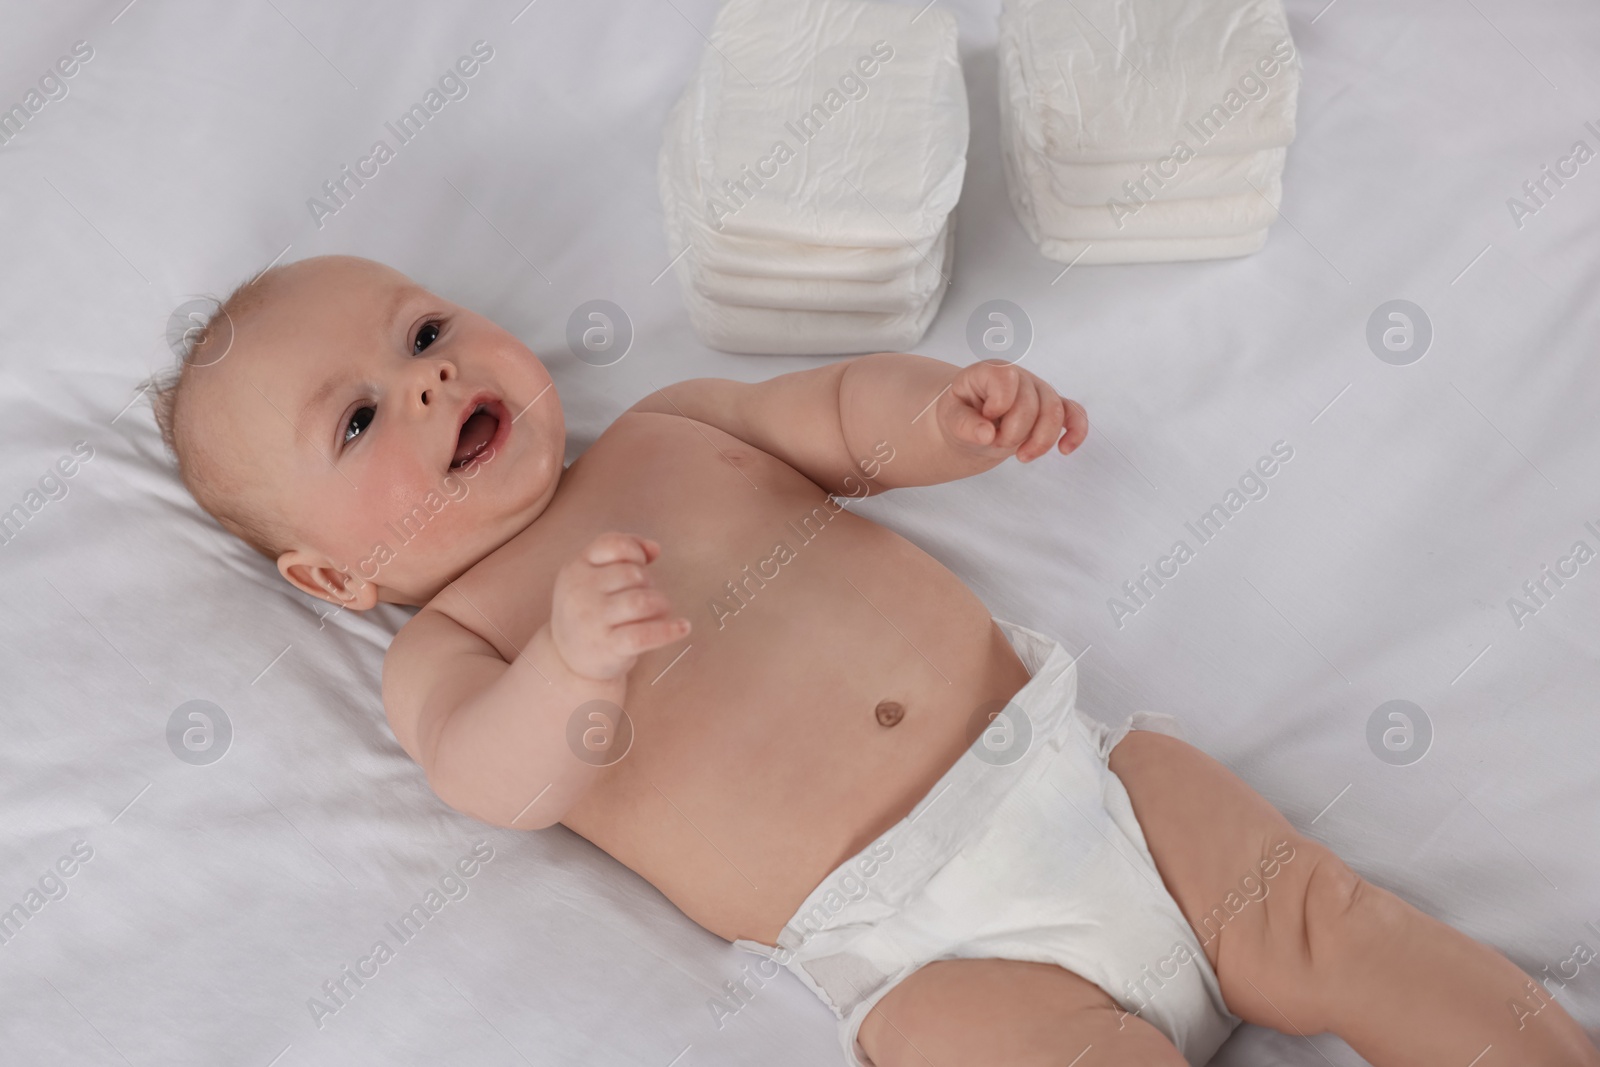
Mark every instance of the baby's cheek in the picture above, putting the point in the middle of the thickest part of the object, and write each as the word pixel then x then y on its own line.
pixel 524 376
pixel 391 489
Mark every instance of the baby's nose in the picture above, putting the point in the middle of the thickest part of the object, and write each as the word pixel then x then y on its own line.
pixel 443 371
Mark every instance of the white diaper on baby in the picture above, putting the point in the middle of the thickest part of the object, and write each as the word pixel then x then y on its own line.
pixel 1026 849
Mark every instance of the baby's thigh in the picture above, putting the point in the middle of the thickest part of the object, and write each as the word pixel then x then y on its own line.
pixel 1259 894
pixel 1008 1013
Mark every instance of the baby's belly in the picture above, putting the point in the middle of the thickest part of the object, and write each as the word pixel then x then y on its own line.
pixel 796 730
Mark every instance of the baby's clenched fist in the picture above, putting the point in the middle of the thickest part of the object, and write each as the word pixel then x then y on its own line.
pixel 605 611
pixel 999 409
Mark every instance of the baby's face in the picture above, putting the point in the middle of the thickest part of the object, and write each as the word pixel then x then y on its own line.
pixel 401 437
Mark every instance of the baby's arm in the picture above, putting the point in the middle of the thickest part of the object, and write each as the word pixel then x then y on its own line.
pixel 494 737
pixel 942 422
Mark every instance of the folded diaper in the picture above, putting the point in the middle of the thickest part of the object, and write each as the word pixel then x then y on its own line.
pixel 1217 216
pixel 784 331
pixel 808 176
pixel 1124 250
pixel 1166 177
pixel 1119 80
pixel 906 289
pixel 777 331
pixel 1123 188
pixel 720 250
pixel 838 122
pixel 906 292
pixel 779 259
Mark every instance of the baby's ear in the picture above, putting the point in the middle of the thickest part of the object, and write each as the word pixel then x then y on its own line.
pixel 318 576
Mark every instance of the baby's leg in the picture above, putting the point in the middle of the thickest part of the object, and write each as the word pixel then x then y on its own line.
pixel 1324 950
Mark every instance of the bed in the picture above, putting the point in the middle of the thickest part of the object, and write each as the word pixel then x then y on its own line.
pixel 193 888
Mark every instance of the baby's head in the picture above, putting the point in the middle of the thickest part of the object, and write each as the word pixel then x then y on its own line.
pixel 371 438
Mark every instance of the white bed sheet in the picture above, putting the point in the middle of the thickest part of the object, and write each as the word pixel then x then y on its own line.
pixel 219 898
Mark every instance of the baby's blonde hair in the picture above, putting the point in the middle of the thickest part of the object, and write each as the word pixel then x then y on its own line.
pixel 221 493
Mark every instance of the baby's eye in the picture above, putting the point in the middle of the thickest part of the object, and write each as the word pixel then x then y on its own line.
pixel 359 421
pixel 425 337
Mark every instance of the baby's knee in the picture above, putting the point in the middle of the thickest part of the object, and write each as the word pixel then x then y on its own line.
pixel 1339 911
pixel 1290 968
pixel 1349 922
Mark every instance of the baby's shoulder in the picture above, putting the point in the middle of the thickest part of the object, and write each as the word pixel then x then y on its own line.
pixel 429 648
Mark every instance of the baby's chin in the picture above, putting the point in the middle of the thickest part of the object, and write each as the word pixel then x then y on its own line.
pixel 452 526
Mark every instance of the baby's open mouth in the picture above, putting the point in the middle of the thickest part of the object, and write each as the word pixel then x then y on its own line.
pixel 476 435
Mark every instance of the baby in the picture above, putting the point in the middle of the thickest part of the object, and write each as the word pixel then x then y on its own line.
pixel 802 729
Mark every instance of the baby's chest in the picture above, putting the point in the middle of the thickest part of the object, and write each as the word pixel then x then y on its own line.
pixel 702 493
pixel 713 503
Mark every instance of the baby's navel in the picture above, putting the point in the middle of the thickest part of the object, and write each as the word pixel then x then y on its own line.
pixel 889 712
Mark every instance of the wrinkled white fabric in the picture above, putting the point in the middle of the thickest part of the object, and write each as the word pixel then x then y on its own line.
pixel 874 159
pixel 1119 80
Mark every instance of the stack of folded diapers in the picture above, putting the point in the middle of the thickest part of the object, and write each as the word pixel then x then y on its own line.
pixel 1139 131
pixel 809 172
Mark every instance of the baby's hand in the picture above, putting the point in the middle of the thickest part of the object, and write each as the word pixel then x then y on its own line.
pixel 605 610
pixel 1000 409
